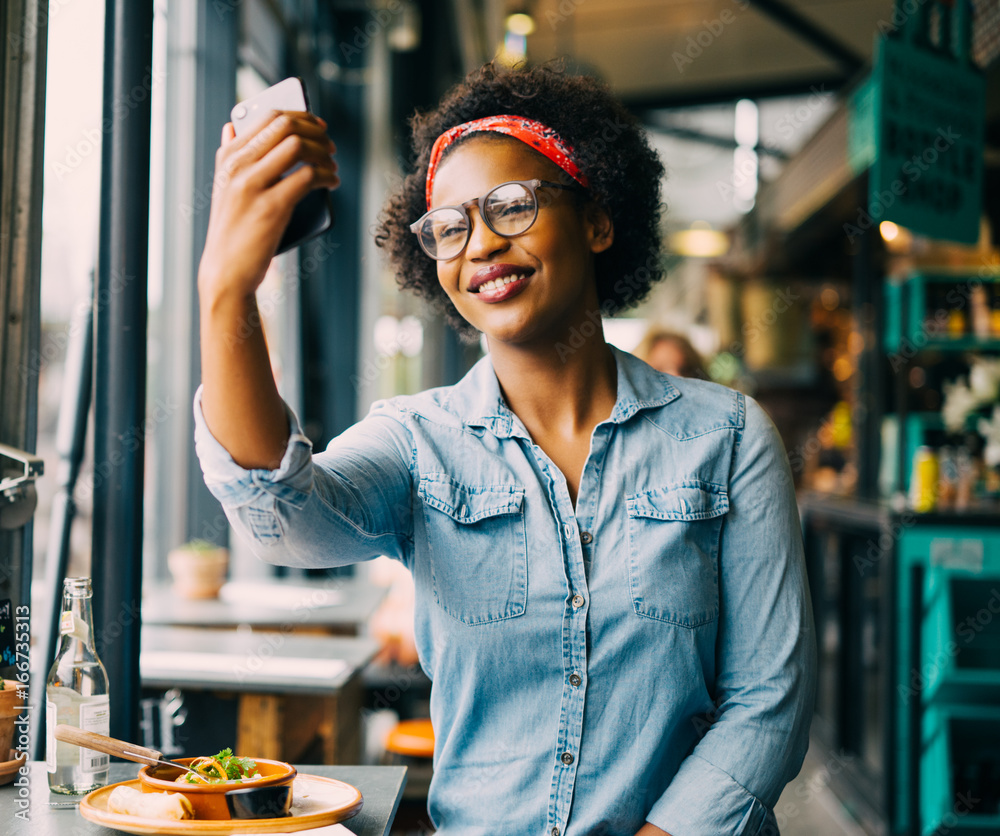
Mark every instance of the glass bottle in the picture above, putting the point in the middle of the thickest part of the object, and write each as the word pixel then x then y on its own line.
pixel 924 480
pixel 76 694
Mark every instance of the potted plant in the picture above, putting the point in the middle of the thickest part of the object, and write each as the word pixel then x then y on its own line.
pixel 198 569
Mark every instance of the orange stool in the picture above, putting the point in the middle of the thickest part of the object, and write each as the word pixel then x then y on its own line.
pixel 412 739
pixel 411 744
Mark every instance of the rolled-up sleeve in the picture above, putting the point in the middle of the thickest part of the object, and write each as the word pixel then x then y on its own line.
pixel 351 502
pixel 765 655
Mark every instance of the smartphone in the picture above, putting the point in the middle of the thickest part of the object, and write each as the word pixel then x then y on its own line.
pixel 314 213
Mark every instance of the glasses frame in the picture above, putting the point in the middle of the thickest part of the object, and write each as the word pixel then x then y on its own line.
pixel 531 185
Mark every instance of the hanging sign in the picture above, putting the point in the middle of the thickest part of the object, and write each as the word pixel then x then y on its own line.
pixel 929 116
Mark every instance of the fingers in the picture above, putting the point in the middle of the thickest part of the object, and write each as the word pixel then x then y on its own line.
pixel 299 183
pixel 290 151
pixel 247 149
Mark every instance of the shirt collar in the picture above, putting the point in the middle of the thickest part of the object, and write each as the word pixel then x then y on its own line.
pixel 477 399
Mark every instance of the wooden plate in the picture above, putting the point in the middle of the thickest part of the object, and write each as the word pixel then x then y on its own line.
pixel 317 801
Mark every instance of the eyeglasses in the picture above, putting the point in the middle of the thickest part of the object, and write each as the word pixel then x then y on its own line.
pixel 508 209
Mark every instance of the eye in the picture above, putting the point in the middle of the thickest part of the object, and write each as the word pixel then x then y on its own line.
pixel 513 208
pixel 448 225
pixel 449 231
pixel 510 207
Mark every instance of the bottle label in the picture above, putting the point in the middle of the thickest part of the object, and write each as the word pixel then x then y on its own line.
pixel 50 741
pixel 95 717
pixel 71 625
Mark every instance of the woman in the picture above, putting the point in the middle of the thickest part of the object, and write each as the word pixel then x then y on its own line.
pixel 611 600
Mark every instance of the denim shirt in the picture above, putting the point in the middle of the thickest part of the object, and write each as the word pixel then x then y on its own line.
pixel 645 655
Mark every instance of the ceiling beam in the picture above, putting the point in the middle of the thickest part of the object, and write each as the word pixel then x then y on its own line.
pixel 802 27
pixel 653 122
pixel 734 91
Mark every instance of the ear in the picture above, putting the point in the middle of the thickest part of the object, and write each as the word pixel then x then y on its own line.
pixel 600 229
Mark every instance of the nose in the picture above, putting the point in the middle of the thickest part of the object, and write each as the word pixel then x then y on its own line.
pixel 483 241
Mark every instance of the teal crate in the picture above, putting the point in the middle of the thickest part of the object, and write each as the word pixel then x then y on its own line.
pixel 960 763
pixel 961 635
pixel 939 548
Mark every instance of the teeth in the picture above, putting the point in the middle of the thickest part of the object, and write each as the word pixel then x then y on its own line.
pixel 495 284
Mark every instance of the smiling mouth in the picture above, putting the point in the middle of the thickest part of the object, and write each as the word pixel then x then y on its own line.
pixel 499 284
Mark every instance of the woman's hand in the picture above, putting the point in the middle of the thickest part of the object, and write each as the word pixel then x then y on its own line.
pixel 651 830
pixel 251 201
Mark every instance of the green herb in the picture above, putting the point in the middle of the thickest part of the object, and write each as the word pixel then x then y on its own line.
pixel 236 769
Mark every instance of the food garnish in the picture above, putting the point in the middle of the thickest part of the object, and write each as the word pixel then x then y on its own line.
pixel 221 768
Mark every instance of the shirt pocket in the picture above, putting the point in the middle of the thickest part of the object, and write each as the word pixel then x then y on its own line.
pixel 478 548
pixel 673 539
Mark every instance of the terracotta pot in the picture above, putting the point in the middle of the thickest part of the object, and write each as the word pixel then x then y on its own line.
pixel 9 769
pixel 198 573
pixel 209 800
pixel 8 713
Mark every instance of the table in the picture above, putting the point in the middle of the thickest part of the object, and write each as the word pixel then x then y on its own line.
pixel 336 606
pixel 381 786
pixel 289 687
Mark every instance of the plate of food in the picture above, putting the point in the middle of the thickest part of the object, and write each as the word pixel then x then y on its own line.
pixel 224 793
pixel 316 801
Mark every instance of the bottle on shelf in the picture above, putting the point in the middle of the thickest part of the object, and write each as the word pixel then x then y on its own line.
pixel 979 301
pixel 924 480
pixel 76 694
pixel 957 323
pixel 947 488
pixel 965 467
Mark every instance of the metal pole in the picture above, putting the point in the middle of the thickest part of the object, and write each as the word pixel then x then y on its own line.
pixel 120 353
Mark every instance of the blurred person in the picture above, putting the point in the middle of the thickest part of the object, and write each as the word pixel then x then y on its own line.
pixel 670 352
pixel 611 599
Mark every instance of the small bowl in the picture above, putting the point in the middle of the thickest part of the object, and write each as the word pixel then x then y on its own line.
pixel 209 800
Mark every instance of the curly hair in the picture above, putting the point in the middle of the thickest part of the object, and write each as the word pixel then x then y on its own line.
pixel 610 148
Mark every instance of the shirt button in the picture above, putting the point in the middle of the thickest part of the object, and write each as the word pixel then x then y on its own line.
pixel 586 538
pixel 567 758
pixel 555 831
pixel 574 680
pixel 577 601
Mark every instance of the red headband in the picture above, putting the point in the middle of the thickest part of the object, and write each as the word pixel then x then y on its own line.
pixel 540 137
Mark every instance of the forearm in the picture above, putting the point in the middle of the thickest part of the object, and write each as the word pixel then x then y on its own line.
pixel 252 201
pixel 240 399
